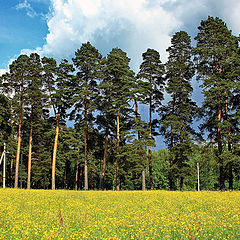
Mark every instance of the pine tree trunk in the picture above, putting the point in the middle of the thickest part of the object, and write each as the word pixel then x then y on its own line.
pixel 117 179
pixel 114 180
pixel 150 148
pixel 181 184
pixel 171 146
pixel 85 146
pixel 219 141
pixel 104 161
pixel 30 157
pixel 55 151
pixel 230 173
pixel 18 149
pixel 171 161
pixel 76 175
pixel 143 179
pixel 118 151
pixel 219 118
pixel 65 176
pixel 141 151
pixel 81 178
pixel 11 172
pixel 230 177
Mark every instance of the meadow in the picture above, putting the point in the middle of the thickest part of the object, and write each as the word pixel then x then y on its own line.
pixel 46 214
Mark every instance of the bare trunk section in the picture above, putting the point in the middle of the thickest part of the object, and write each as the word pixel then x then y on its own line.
pixel 171 161
pixel 118 152
pixel 230 173
pixel 18 149
pixel 219 141
pixel 65 176
pixel 141 150
pixel 30 157
pixel 85 145
pixel 81 175
pixel 77 171
pixel 104 161
pixel 219 119
pixel 55 151
pixel 76 175
pixel 143 179
pixel 11 172
pixel 171 146
pixel 230 177
pixel 181 183
pixel 114 180
pixel 150 147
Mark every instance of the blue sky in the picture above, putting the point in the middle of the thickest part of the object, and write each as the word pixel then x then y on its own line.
pixel 19 30
pixel 57 28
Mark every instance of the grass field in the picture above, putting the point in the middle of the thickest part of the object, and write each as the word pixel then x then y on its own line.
pixel 42 214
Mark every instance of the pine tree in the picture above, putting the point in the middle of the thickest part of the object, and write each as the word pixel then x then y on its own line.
pixel 87 61
pixel 104 119
pixel 215 48
pixel 17 81
pixel 120 83
pixel 57 81
pixel 151 71
pixel 34 102
pixel 177 115
pixel 140 129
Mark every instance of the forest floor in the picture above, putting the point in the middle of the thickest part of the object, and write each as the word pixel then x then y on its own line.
pixel 46 214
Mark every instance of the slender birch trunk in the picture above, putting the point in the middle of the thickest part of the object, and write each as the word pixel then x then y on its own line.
pixel 118 151
pixel 143 179
pixel 85 144
pixel 30 156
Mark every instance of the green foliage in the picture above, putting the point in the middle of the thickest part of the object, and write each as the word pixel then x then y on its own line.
pixel 5 117
pixel 102 96
pixel 217 57
pixel 160 168
pixel 177 115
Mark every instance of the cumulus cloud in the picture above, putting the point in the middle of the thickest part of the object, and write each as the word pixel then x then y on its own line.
pixel 2 71
pixel 133 25
pixel 192 12
pixel 26 5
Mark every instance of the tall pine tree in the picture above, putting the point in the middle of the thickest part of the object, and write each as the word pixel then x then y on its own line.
pixel 120 83
pixel 177 115
pixel 215 47
pixel 87 60
pixel 151 71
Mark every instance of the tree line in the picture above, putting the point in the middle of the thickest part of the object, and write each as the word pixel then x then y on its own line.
pixel 110 145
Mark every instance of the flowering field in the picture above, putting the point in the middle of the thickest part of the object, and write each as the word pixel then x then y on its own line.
pixel 42 214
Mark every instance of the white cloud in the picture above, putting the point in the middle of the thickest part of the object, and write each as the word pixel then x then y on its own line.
pixel 133 25
pixel 230 11
pixel 2 71
pixel 26 5
pixel 192 12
